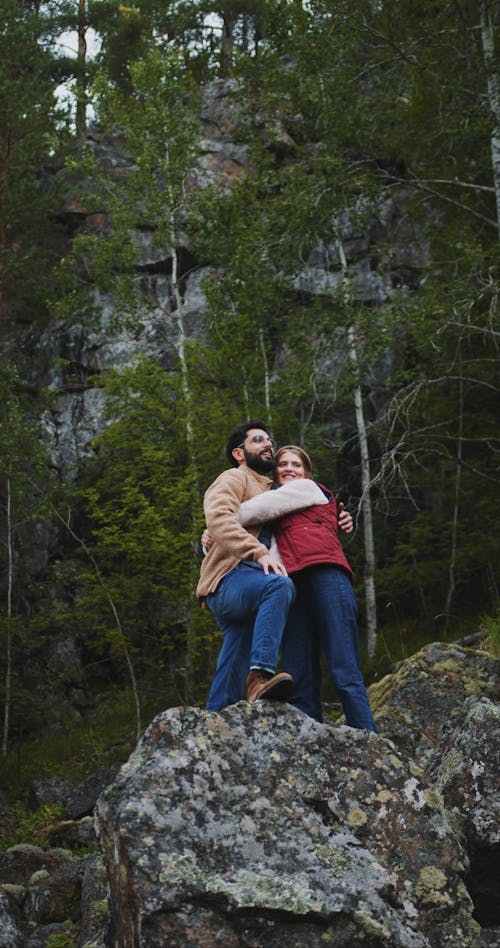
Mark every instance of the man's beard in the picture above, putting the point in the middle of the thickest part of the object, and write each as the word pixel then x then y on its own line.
pixel 258 464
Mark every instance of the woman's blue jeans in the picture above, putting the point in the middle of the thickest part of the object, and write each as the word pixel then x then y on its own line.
pixel 251 610
pixel 324 618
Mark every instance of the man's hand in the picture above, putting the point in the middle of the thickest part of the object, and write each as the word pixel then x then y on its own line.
pixel 345 520
pixel 268 563
pixel 207 541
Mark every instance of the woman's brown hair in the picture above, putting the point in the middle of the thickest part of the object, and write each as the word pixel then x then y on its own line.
pixel 303 455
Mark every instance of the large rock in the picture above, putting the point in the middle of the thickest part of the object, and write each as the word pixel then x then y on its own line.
pixel 413 704
pixel 465 769
pixel 18 864
pixel 78 800
pixel 259 826
pixel 10 934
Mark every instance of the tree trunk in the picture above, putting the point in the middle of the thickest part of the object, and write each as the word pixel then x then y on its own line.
pixel 493 78
pixel 366 507
pixel 454 526
pixel 191 638
pixel 4 183
pixel 81 76
pixel 181 350
pixel 266 378
pixel 366 504
pixel 10 578
pixel 228 22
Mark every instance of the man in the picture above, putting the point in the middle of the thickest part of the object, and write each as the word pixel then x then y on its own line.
pixel 245 587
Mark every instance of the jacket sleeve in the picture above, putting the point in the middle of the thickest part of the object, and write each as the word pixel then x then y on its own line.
pixel 221 504
pixel 293 496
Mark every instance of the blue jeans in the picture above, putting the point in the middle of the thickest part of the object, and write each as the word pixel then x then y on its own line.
pixel 324 618
pixel 251 610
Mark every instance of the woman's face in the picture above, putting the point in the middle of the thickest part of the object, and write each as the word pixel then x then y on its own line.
pixel 289 467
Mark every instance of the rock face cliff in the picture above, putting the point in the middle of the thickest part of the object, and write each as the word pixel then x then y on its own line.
pixel 75 352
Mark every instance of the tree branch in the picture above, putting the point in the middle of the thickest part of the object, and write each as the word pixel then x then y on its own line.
pixel 419 186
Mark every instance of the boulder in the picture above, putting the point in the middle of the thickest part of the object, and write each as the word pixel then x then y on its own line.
pixel 78 800
pixel 74 834
pixel 52 897
pixel 413 704
pixel 18 864
pixel 260 826
pixel 82 799
pixel 94 910
pixel 45 791
pixel 10 933
pixel 464 767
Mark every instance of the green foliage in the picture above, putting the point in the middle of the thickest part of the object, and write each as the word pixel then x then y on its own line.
pixel 130 32
pixel 143 509
pixel 141 497
pixel 156 122
pixel 24 467
pixel 33 826
pixel 22 457
pixel 61 940
pixel 356 124
pixel 490 625
pixel 30 123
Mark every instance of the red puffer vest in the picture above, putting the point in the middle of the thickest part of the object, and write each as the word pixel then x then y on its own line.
pixel 309 537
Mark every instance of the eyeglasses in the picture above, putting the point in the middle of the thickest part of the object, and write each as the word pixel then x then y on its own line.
pixel 258 439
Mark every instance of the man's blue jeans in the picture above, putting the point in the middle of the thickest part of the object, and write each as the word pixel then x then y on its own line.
pixel 251 610
pixel 324 618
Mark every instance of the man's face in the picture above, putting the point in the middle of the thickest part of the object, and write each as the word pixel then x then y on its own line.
pixel 256 452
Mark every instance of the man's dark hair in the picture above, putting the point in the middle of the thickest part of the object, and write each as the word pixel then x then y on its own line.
pixel 238 436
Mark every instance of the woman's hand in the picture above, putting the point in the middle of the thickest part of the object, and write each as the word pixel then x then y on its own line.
pixel 346 523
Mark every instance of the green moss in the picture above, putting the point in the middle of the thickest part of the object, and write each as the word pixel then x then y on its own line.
pixel 450 664
pixel 372 927
pixel 61 940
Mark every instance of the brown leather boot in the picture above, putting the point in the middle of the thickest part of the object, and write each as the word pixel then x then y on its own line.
pixel 263 684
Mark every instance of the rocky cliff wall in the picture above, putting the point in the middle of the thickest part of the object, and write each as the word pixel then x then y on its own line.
pixel 386 256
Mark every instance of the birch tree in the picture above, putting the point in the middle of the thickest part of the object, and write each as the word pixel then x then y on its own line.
pixel 8 647
pixel 366 485
pixel 487 9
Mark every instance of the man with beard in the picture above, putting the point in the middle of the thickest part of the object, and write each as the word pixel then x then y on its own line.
pixel 245 587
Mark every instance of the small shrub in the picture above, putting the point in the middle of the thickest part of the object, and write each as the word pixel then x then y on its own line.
pixel 33 826
pixel 61 940
pixel 491 626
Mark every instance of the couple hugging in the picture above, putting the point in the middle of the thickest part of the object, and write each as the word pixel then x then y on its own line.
pixel 276 577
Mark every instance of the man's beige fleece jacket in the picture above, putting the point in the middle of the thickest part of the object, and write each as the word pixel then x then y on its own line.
pixel 233 542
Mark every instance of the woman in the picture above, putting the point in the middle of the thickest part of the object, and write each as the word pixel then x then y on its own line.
pixel 324 617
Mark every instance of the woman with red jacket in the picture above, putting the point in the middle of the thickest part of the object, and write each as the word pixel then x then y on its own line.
pixel 324 617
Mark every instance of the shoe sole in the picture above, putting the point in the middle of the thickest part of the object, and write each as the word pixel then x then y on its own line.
pixel 279 691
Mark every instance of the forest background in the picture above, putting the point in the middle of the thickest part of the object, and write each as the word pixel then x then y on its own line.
pixel 345 112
